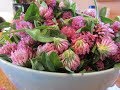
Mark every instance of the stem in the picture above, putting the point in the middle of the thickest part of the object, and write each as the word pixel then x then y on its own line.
pixel 97 11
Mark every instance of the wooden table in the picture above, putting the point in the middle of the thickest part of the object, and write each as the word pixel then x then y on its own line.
pixel 5 83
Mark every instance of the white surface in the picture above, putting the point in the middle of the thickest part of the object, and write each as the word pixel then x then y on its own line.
pixel 6 5
pixel 8 16
pixel 6 9
pixel 27 79
pixel 113 88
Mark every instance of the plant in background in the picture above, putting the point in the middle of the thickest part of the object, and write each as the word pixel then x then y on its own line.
pixel 51 36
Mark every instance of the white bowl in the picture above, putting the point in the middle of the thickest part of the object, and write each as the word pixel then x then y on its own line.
pixel 27 79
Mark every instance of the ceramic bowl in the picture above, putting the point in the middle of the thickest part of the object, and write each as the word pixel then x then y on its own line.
pixel 27 79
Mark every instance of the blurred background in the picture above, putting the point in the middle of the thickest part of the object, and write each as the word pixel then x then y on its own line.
pixel 6 7
pixel 6 10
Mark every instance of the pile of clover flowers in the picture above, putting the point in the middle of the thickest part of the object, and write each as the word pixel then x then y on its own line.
pixel 78 47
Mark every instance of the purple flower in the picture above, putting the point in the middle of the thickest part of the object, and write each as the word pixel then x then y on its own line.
pixel 49 22
pixel 48 48
pixel 22 25
pixel 90 12
pixel 43 10
pixel 107 47
pixel 116 57
pixel 61 44
pixel 21 55
pixel 27 40
pixel 8 48
pixel 68 31
pixel 100 65
pixel 49 14
pixel 89 38
pixel 88 69
pixel 104 30
pixel 116 26
pixel 78 22
pixel 70 59
pixel 80 46
pixel 51 3
pixel 86 36
pixel 67 15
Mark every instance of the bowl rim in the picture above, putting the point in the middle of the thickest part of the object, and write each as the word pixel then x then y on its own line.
pixel 55 73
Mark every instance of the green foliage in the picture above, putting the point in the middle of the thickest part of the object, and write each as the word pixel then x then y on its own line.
pixel 4 25
pixel 5 57
pixel 90 24
pixel 70 6
pixel 32 13
pixel 67 3
pixel 106 20
pixel 15 38
pixel 117 65
pixel 109 63
pixel 46 62
pixel 54 58
pixel 5 37
pixel 36 65
pixel 117 18
pixel 73 8
pixel 45 33
pixel 96 54
pixel 17 1
pixel 18 13
pixel 43 4
pixel 103 11
pixel 10 35
pixel 41 36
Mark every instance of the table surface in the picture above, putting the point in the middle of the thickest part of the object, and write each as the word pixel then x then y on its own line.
pixel 5 83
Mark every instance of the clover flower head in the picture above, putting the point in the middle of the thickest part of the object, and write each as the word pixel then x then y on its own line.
pixel 67 15
pixel 100 65
pixel 51 3
pixel 116 57
pixel 80 46
pixel 43 10
pixel 49 22
pixel 23 25
pixel 49 14
pixel 27 40
pixel 21 55
pixel 78 22
pixel 48 48
pixel 68 31
pixel 116 26
pixel 8 48
pixel 104 30
pixel 61 44
pixel 107 47
pixel 70 59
